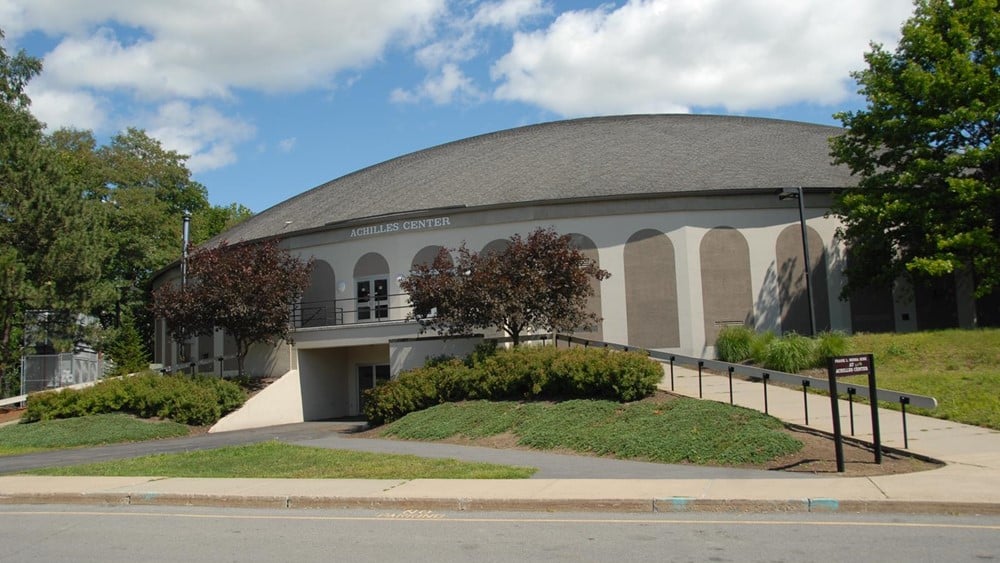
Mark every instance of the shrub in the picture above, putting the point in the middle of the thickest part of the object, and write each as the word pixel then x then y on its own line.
pixel 524 372
pixel 481 352
pixel 187 400
pixel 790 353
pixel 829 344
pixel 603 374
pixel 734 343
pixel 413 390
pixel 519 373
pixel 758 348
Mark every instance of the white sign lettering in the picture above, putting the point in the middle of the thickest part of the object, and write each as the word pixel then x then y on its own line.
pixel 409 225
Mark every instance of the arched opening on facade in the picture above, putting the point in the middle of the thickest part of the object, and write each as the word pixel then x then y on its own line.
pixel 318 306
pixel 426 256
pixel 726 290
pixel 495 246
pixel 589 249
pixel 651 291
pixel 792 293
pixel 371 288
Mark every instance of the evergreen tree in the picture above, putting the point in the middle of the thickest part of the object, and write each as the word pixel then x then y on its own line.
pixel 126 348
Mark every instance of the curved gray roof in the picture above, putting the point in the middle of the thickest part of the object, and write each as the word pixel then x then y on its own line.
pixel 580 158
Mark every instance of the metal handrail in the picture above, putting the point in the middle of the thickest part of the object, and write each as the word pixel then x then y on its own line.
pixel 755 373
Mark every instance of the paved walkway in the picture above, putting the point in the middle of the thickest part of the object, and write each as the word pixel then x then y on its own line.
pixel 970 483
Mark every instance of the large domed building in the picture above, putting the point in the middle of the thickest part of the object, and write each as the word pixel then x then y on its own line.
pixel 682 210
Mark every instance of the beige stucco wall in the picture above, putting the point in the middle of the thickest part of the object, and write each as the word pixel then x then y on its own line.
pixel 413 353
pixel 278 403
pixel 609 224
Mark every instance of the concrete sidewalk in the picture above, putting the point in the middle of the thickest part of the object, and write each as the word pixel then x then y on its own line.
pixel 968 484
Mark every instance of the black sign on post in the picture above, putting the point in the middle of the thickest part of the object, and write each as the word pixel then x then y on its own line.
pixel 838 437
pixel 859 364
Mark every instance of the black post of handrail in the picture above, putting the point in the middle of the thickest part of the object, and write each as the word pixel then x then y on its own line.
pixel 220 359
pixel 765 377
pixel 672 358
pixel 731 368
pixel 850 405
pixel 700 365
pixel 903 401
pixel 805 398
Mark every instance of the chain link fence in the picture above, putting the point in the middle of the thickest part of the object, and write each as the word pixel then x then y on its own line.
pixel 42 372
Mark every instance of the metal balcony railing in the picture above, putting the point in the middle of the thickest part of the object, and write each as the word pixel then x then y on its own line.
pixel 351 311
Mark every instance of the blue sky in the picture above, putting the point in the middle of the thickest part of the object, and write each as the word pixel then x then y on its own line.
pixel 270 99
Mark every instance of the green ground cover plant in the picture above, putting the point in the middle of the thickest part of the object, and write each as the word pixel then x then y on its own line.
pixel 84 431
pixel 277 460
pixel 185 399
pixel 679 430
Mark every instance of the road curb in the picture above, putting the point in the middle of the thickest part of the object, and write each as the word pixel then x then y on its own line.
pixel 660 505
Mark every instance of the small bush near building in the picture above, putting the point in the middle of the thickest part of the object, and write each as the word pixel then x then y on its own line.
pixel 735 343
pixel 523 372
pixel 830 344
pixel 758 348
pixel 187 400
pixel 790 353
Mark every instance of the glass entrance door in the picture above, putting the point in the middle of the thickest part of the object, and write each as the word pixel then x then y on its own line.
pixel 373 298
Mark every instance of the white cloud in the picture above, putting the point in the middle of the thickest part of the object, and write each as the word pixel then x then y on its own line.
pixel 114 60
pixel 672 55
pixel 508 13
pixel 442 88
pixel 199 49
pixel 451 49
pixel 461 40
pixel 287 145
pixel 201 132
pixel 63 108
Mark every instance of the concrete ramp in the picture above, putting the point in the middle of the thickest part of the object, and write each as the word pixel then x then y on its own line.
pixel 278 403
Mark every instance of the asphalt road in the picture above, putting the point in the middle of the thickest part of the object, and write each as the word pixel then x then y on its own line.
pixel 153 534
pixel 335 435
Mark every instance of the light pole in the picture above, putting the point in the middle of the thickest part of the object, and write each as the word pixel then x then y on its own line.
pixel 185 242
pixel 797 194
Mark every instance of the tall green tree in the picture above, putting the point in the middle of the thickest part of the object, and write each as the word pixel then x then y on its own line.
pixel 924 150
pixel 217 219
pixel 246 290
pixel 538 282
pixel 145 190
pixel 52 245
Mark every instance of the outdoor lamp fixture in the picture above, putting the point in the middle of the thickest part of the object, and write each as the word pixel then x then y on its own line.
pixel 797 194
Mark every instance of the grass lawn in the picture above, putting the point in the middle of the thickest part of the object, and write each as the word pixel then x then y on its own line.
pixel 671 431
pixel 960 368
pixel 278 460
pixel 84 431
